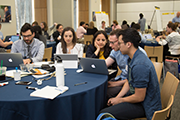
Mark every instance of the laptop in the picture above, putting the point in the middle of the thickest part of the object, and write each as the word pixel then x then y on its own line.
pixel 93 65
pixel 68 60
pixel 148 37
pixel 14 38
pixel 8 38
pixel 11 59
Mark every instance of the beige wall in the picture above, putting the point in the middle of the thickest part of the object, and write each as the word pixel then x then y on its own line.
pixel 63 12
pixel 9 28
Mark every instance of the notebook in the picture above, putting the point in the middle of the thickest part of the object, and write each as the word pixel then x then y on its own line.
pixel 148 37
pixel 14 38
pixel 68 60
pixel 93 65
pixel 11 59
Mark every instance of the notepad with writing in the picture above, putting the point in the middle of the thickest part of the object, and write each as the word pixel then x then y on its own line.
pixel 49 92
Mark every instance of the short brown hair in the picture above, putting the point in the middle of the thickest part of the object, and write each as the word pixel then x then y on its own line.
pixel 172 26
pixel 115 22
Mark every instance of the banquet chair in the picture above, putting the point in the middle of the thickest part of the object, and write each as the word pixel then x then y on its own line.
pixel 155 53
pixel 88 38
pixel 47 54
pixel 162 114
pixel 169 88
pixel 158 67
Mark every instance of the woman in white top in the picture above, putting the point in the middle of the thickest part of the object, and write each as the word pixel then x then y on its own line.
pixel 173 40
pixel 68 43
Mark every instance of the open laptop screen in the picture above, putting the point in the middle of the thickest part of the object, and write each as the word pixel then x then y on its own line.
pixel 14 38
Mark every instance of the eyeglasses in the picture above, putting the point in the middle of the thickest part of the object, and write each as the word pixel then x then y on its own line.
pixel 26 36
pixel 110 42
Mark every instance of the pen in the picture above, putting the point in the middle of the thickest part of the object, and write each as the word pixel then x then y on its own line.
pixel 80 83
pixel 3 84
pixel 31 88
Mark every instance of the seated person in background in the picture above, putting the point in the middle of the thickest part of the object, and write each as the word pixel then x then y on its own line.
pixel 81 30
pixel 103 26
pixel 132 24
pixel 44 28
pixel 173 40
pixel 38 34
pixel 137 27
pixel 35 23
pixel 68 43
pixel 91 30
pixel 140 95
pixel 86 26
pixel 100 49
pixel 31 48
pixel 3 44
pixel 124 25
pixel 1 34
pixel 115 25
pixel 115 85
pixel 57 34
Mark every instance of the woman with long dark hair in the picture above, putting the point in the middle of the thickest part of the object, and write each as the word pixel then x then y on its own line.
pixel 68 43
pixel 100 49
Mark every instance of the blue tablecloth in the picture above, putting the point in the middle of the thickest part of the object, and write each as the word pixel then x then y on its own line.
pixel 82 102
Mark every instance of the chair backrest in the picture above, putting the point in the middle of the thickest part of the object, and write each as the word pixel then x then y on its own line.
pixel 162 114
pixel 158 67
pixel 47 54
pixel 88 38
pixel 169 88
pixel 154 52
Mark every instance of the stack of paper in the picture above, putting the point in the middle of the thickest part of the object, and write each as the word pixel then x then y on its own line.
pixel 49 92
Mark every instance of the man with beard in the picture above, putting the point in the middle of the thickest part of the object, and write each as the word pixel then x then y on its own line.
pixel 31 48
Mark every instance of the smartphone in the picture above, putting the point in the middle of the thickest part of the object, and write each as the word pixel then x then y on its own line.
pixel 23 83
pixel 33 71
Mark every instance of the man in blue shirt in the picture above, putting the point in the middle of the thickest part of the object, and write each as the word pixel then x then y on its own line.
pixel 32 49
pixel 140 95
pixel 115 85
pixel 177 18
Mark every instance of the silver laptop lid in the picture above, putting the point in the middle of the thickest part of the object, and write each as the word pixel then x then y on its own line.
pixel 11 59
pixel 67 56
pixel 94 65
pixel 148 36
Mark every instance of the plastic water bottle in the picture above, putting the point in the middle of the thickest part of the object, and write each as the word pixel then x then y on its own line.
pixel 59 72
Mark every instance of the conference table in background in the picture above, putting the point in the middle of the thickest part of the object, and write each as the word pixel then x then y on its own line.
pixel 149 43
pixel 82 102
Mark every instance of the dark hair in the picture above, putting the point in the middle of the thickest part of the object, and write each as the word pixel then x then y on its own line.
pixel 132 24
pixel 130 35
pixel 26 27
pixel 63 43
pixel 141 15
pixel 115 22
pixel 58 25
pixel 124 22
pixel 103 22
pixel 136 26
pixel 35 23
pixel 82 23
pixel 37 30
pixel 45 26
pixel 87 24
pixel 107 49
pixel 172 26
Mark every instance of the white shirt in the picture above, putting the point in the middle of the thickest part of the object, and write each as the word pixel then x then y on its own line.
pixel 173 40
pixel 78 49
